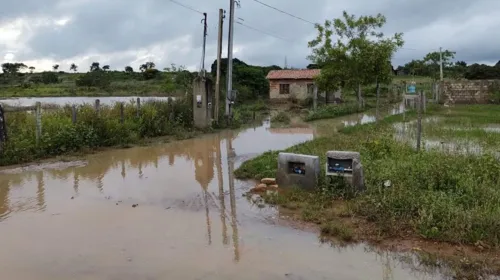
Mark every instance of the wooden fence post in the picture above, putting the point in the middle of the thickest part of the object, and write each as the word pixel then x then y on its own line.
pixel 138 107
pixel 38 118
pixel 419 120
pixel 122 113
pixel 73 113
pixel 315 97
pixel 97 107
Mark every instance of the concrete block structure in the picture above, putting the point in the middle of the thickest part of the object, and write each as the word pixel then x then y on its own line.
pixel 298 170
pixel 346 164
pixel 202 102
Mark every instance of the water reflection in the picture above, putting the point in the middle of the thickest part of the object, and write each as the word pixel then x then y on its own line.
pixel 407 133
pixel 190 219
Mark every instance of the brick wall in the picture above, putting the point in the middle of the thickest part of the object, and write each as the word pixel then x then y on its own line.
pixel 468 91
pixel 298 89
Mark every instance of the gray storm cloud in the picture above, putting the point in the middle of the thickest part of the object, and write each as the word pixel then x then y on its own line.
pixel 130 26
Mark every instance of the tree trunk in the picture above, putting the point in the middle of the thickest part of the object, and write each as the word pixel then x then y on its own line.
pixel 360 98
pixel 378 99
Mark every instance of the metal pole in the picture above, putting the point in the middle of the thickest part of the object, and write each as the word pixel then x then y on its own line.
pixel 229 75
pixel 219 55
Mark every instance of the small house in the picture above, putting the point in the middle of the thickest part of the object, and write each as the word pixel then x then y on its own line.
pixel 285 84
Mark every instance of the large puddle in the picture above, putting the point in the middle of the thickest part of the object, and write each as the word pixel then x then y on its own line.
pixel 169 211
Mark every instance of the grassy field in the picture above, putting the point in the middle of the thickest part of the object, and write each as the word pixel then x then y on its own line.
pixel 433 196
pixel 122 84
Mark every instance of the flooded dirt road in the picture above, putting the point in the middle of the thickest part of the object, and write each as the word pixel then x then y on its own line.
pixel 170 211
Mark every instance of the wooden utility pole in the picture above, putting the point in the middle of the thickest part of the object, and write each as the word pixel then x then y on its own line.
pixel 229 75
pixel 440 64
pixel 204 20
pixel 219 54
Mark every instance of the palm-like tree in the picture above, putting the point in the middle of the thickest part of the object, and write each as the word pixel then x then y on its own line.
pixel 73 67
pixel 55 67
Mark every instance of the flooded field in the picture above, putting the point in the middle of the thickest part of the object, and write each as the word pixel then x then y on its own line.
pixel 170 211
pixel 105 100
pixel 466 139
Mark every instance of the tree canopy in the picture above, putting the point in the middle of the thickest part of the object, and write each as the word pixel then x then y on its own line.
pixel 359 55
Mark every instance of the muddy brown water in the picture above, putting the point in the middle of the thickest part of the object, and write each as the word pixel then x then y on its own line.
pixel 191 221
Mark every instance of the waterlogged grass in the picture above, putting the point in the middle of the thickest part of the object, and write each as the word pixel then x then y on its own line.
pixel 106 129
pixel 333 111
pixel 451 198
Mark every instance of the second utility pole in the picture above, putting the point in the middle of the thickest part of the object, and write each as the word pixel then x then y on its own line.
pixel 440 64
pixel 229 75
pixel 219 54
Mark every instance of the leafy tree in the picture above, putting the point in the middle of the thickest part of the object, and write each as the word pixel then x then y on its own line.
pixel 73 67
pixel 432 60
pixel 147 65
pixel 12 68
pixel 313 66
pixel 95 66
pixel 482 71
pixel 55 67
pixel 105 67
pixel 148 70
pixel 32 69
pixel 347 62
pixel 129 69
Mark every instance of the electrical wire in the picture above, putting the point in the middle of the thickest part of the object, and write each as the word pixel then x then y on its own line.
pixel 264 32
pixel 283 12
pixel 185 6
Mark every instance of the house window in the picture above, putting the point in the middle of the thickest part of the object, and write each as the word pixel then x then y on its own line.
pixel 310 89
pixel 284 88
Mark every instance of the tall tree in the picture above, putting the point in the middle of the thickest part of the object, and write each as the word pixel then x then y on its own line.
pixel 73 67
pixel 32 69
pixel 12 68
pixel 55 67
pixel 360 50
pixel 129 69
pixel 147 65
pixel 95 67
pixel 432 61
pixel 105 67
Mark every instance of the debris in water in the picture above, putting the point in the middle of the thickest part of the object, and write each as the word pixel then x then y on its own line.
pixel 117 203
pixel 135 205
pixel 168 208
pixel 268 181
pixel 72 197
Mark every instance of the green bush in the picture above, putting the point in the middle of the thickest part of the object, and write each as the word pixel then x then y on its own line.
pixel 97 78
pixel 92 130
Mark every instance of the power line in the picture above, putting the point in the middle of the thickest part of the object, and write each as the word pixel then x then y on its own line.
pixel 286 13
pixel 264 32
pixel 185 6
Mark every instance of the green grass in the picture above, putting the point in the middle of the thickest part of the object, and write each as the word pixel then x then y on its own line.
pixel 451 198
pixel 122 84
pixel 91 131
pixel 334 111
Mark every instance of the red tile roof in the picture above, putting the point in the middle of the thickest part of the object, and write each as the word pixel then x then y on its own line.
pixel 304 74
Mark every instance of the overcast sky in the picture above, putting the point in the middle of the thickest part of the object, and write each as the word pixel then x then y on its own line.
pixel 41 33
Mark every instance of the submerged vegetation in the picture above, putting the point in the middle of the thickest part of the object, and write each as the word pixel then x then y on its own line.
pixel 436 196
